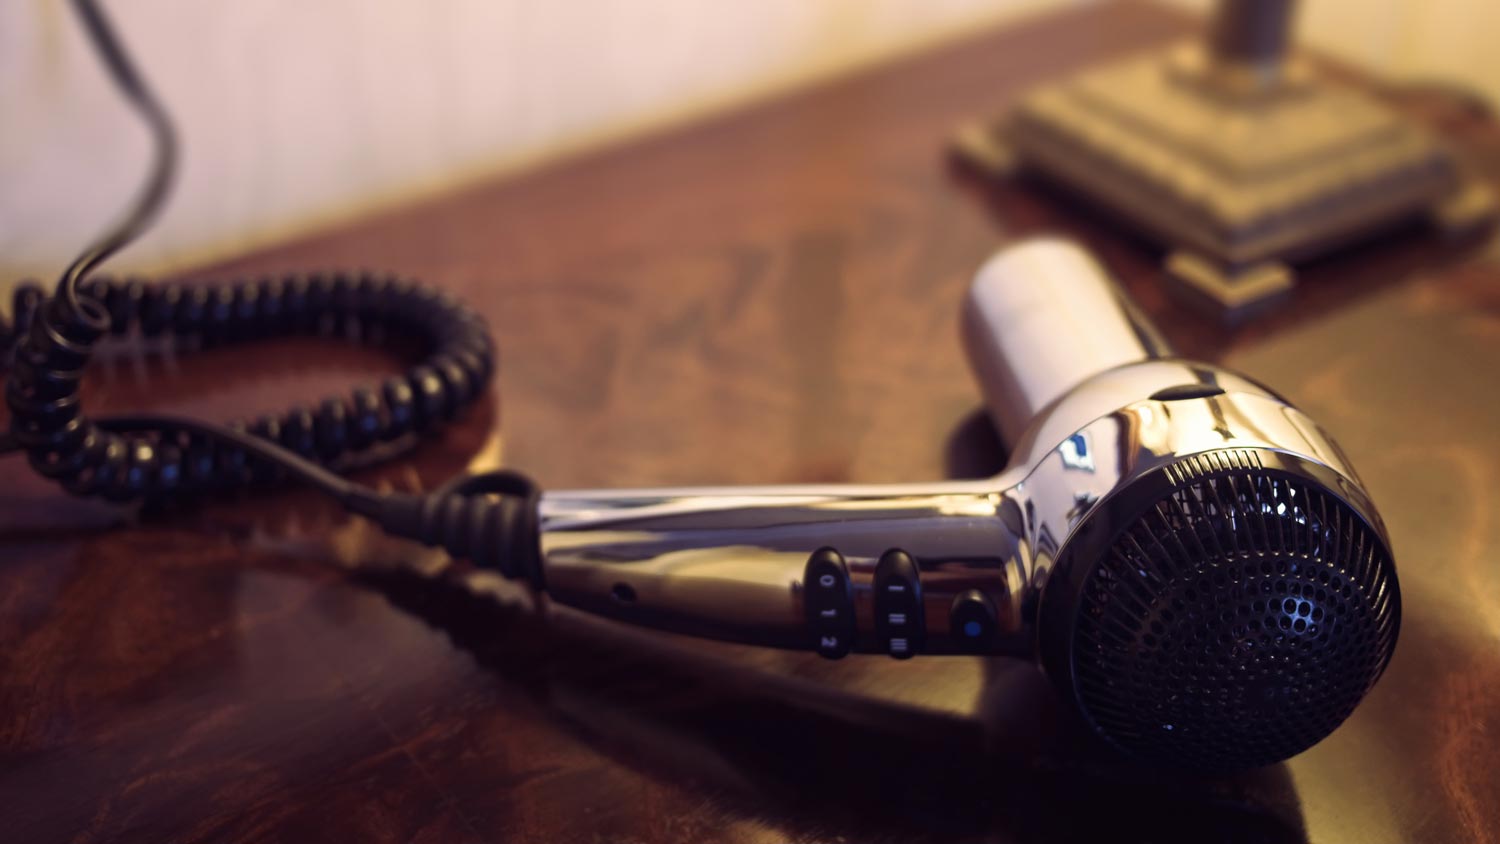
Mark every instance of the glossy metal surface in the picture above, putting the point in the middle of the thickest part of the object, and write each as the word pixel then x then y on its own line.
pixel 727 563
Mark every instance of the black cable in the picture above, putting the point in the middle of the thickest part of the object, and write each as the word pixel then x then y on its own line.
pixel 163 139
pixel 490 518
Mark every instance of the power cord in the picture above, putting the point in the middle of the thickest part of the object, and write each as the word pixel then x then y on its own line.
pixel 490 518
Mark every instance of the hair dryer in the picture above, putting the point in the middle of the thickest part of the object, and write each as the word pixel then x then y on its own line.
pixel 1191 559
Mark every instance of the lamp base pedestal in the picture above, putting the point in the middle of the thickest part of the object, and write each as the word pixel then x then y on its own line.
pixel 1238 176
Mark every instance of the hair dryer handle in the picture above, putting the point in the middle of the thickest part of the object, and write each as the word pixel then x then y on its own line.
pixel 740 563
pixel 1041 318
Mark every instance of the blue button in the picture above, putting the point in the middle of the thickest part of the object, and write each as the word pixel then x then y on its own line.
pixel 972 620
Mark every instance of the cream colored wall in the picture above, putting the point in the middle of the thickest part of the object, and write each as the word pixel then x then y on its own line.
pixel 295 114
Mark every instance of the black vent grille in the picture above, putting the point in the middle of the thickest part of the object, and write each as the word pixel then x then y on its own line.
pixel 1235 623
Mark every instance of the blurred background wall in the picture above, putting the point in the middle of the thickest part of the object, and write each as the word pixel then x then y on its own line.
pixel 295 114
pixel 298 114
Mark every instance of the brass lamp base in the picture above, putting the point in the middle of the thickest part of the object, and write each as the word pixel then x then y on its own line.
pixel 1236 175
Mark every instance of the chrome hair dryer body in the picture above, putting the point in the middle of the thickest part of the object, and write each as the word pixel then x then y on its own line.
pixel 1191 559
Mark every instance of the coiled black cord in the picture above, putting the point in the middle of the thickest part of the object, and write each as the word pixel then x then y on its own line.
pixel 42 390
pixel 490 518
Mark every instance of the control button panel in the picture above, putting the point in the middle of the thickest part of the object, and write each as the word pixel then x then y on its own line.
pixel 829 598
pixel 972 620
pixel 898 604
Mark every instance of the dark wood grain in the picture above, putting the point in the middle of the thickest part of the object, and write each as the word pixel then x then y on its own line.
pixel 769 296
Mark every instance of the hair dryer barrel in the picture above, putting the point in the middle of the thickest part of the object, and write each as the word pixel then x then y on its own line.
pixel 1041 318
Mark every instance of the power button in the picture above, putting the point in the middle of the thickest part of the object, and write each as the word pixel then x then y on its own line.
pixel 829 600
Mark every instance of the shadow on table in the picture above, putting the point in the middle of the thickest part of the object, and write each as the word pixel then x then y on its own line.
pixel 820 764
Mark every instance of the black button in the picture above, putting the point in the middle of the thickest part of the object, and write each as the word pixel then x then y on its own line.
pixel 898 604
pixel 829 602
pixel 972 620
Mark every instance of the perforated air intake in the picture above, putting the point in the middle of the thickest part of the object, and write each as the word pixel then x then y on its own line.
pixel 1235 622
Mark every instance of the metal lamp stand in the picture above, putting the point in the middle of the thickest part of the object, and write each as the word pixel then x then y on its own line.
pixel 1239 157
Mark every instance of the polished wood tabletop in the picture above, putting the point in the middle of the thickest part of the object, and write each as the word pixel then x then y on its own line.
pixel 767 296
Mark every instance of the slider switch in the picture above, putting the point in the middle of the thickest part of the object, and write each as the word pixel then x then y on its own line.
pixel 898 604
pixel 829 601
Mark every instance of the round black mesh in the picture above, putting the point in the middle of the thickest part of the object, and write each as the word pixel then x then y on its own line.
pixel 1237 622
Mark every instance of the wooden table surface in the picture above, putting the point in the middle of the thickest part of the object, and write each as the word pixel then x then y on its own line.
pixel 769 296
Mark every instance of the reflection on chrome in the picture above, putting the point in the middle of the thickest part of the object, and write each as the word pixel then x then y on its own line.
pixel 1076 452
pixel 728 563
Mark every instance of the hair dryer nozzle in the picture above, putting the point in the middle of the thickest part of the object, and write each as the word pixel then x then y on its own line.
pixel 1226 611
